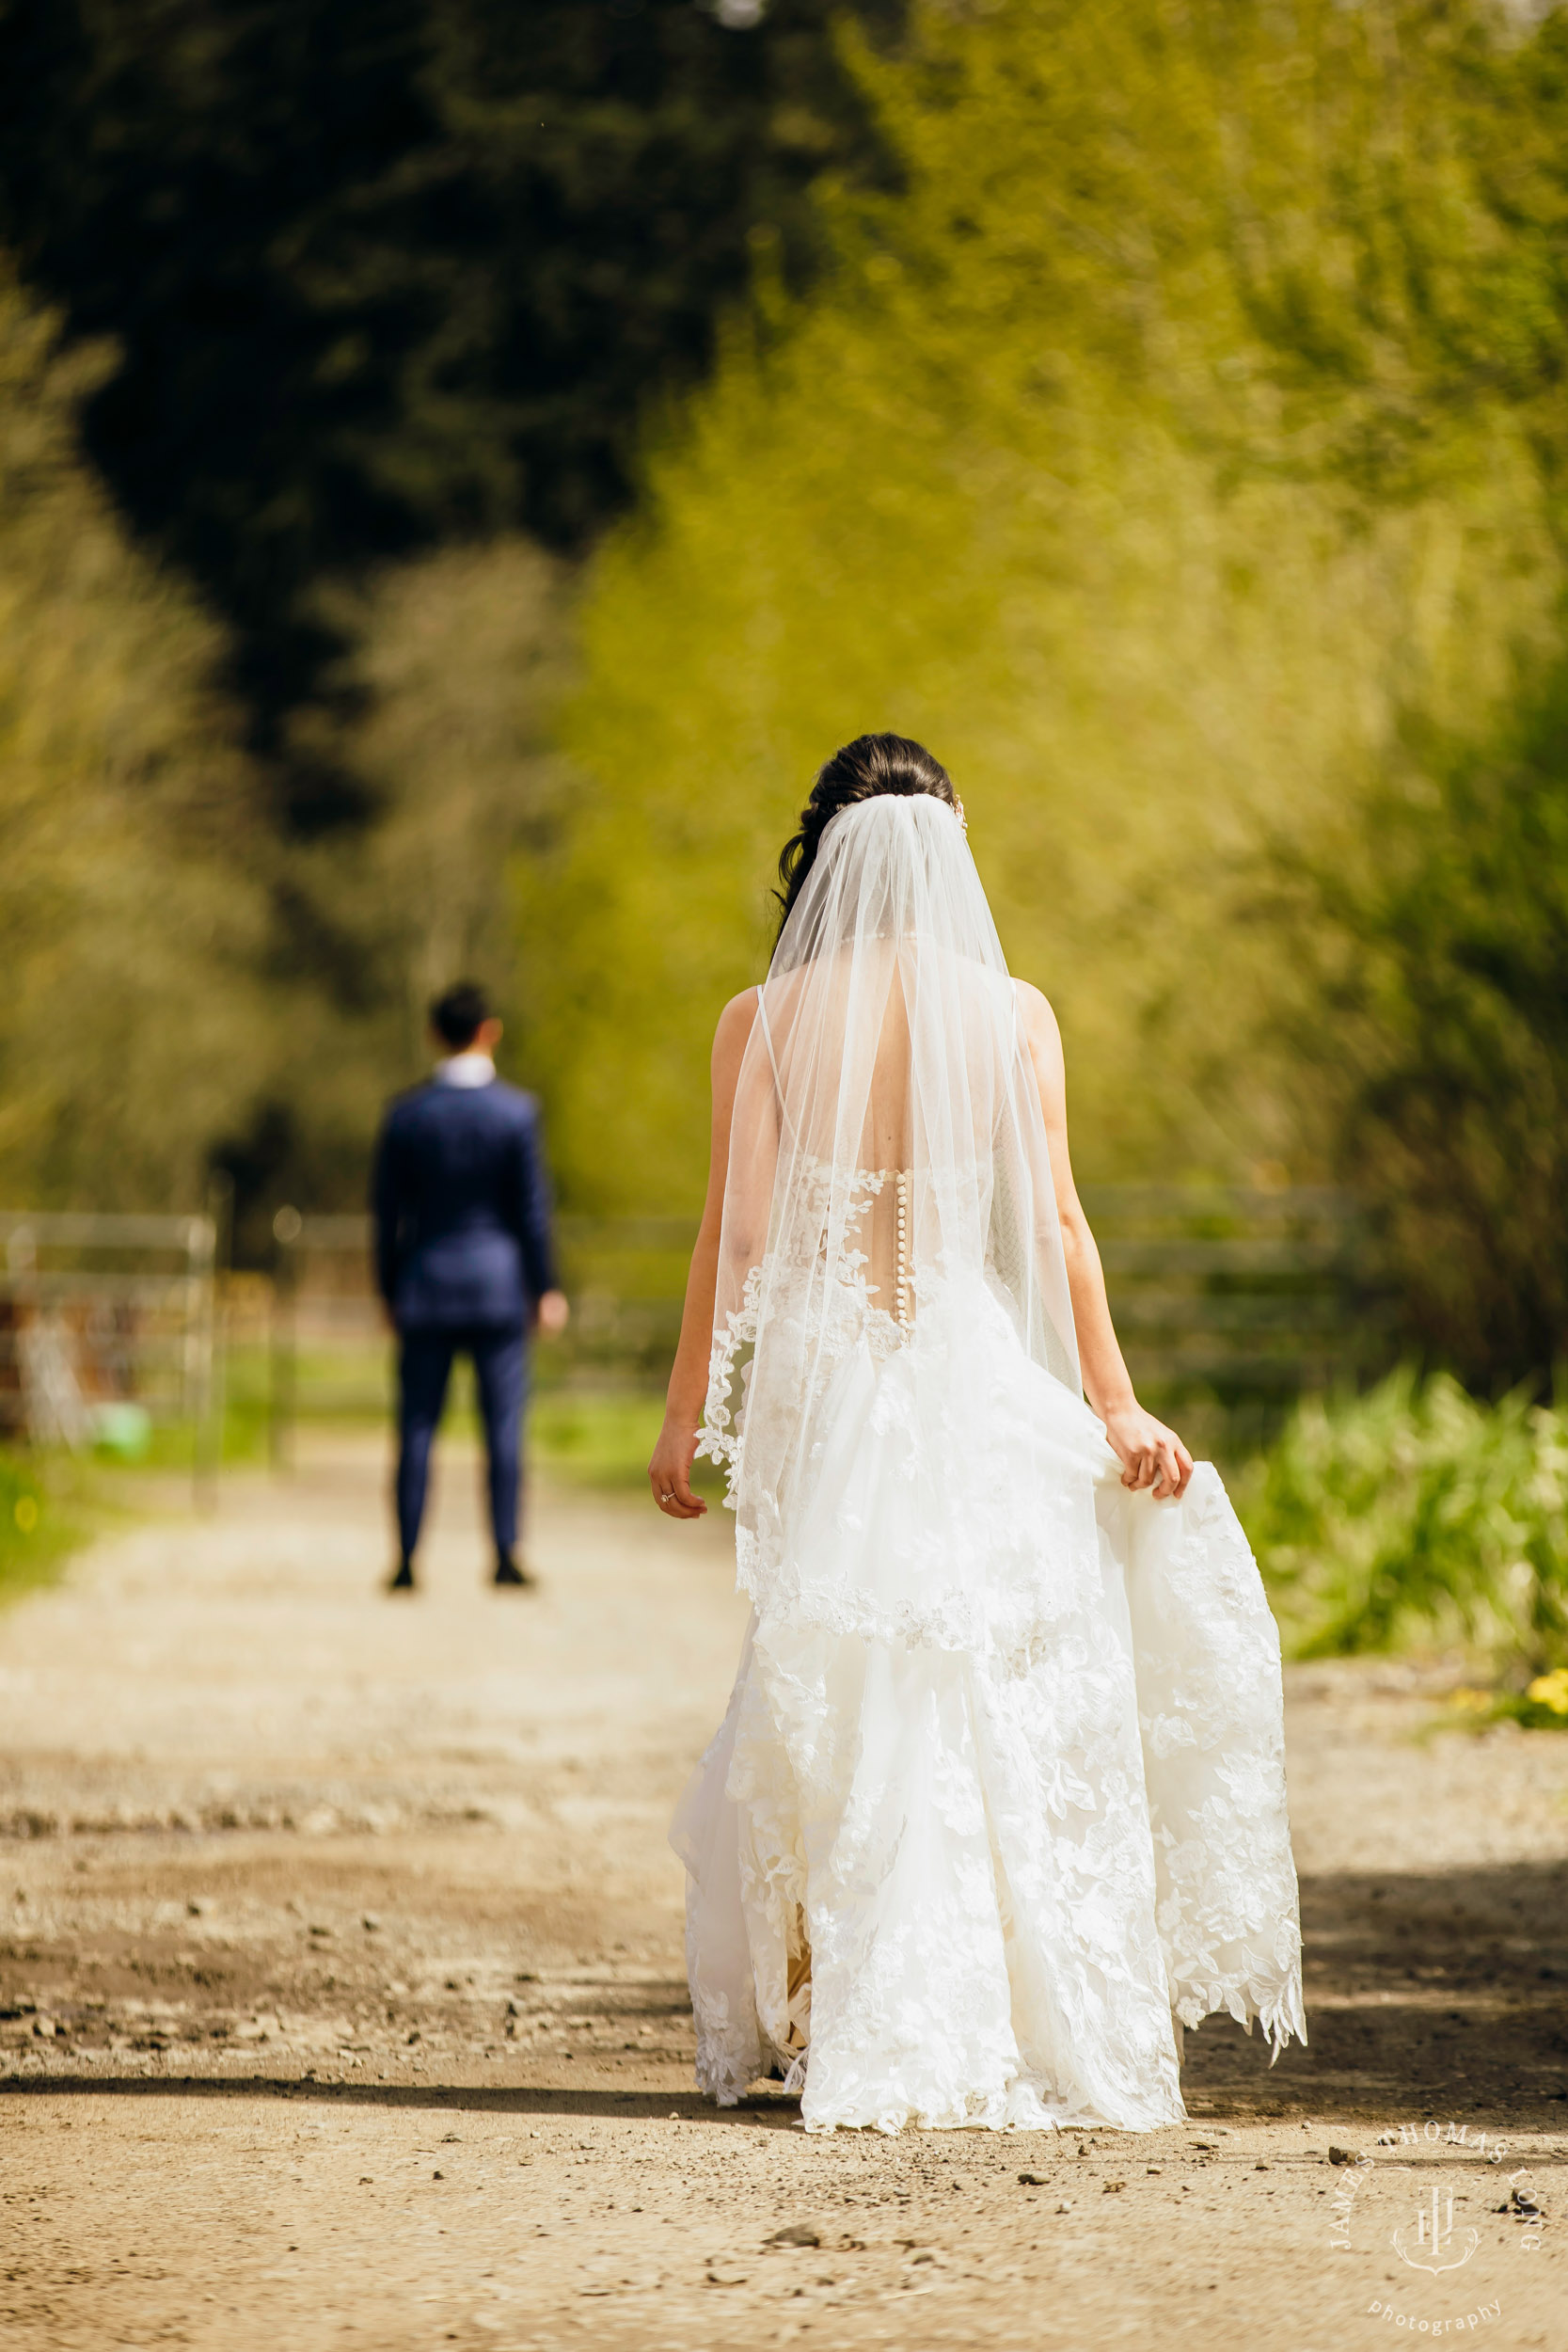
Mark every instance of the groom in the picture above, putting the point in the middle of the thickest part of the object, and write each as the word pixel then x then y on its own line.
pixel 464 1260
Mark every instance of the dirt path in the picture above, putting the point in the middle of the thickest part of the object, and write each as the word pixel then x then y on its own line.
pixel 341 2000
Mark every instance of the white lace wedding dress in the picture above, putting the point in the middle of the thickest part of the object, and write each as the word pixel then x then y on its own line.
pixel 998 1803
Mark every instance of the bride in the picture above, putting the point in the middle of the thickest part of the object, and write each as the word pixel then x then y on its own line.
pixel 998 1804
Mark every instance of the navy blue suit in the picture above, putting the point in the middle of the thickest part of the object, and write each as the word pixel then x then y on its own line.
pixel 460 1202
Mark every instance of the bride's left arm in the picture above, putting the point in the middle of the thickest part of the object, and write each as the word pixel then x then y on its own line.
pixel 1150 1454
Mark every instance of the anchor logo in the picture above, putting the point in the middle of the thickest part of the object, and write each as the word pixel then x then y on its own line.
pixel 1434 2237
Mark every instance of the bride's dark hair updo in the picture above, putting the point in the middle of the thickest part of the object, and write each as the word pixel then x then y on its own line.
pixel 860 770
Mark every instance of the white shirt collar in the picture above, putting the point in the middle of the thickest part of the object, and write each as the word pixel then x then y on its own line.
pixel 466 1069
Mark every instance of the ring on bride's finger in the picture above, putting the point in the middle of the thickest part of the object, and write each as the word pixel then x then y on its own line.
pixel 669 1498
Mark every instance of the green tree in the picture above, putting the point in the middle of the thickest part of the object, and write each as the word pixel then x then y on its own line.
pixel 445 706
pixel 1439 963
pixel 379 273
pixel 1186 419
pixel 134 916
pixel 153 1019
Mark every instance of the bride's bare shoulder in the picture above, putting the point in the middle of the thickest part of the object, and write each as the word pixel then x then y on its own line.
pixel 1039 1022
pixel 734 1027
pixel 739 1013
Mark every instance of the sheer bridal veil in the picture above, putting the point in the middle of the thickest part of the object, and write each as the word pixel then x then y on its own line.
pixel 888 1165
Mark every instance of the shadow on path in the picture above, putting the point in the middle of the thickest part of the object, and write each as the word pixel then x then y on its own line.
pixel 1439 1993
pixel 1425 1994
pixel 647 2106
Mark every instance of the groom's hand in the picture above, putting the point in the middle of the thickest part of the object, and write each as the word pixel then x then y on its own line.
pixel 552 1313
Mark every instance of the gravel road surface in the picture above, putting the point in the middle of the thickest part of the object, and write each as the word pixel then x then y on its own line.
pixel 342 1998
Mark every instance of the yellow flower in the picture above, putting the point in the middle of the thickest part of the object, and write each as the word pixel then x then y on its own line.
pixel 27 1513
pixel 1551 1690
pixel 1473 1702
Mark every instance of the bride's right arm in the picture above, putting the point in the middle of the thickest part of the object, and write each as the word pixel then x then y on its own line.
pixel 1150 1454
pixel 670 1470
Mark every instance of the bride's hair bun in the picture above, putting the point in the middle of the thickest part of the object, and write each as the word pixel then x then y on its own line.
pixel 860 770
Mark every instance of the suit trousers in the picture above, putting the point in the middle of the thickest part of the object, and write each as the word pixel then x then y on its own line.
pixel 500 1357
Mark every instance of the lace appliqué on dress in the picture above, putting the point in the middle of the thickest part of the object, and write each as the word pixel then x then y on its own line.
pixel 1005 1753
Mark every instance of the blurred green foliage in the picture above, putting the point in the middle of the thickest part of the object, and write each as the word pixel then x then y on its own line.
pixel 444 704
pixel 36 1529
pixel 1438 952
pixel 604 1439
pixel 1178 450
pixel 1541 1706
pixel 155 1018
pixel 1415 1512
pixel 160 1012
pixel 129 897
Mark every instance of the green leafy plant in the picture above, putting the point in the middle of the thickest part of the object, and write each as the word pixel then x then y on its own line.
pixel 1415 1511
pixel 1541 1706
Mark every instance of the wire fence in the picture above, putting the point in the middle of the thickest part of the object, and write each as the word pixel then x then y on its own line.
pixel 1235 1301
pixel 1231 1301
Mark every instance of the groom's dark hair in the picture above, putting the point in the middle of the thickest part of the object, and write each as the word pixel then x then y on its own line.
pixel 857 772
pixel 458 1013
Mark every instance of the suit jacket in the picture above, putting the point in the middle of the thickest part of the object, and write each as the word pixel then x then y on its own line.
pixel 460 1202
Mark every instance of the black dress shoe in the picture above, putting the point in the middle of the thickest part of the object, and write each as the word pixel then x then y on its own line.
pixel 403 1580
pixel 509 1570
